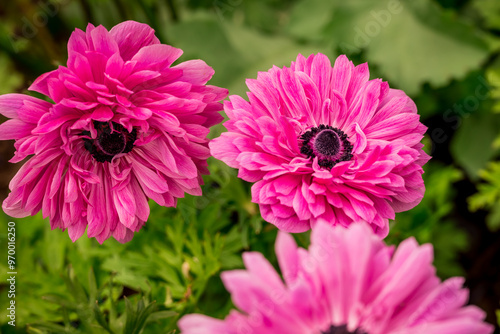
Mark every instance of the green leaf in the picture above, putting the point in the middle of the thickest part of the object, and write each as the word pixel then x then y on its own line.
pixel 490 10
pixel 472 145
pixel 493 218
pixel 412 42
pixel 61 301
pixel 51 328
pixel 493 76
pixel 101 319
pixel 75 287
pixel 159 315
pixel 488 195
pixel 308 19
pixel 261 14
pixel 131 318
pixel 136 319
pixel 144 314
pixel 203 37
pixel 92 286
pixel 260 52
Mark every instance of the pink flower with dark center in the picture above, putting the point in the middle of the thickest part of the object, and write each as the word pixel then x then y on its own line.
pixel 125 126
pixel 347 282
pixel 325 144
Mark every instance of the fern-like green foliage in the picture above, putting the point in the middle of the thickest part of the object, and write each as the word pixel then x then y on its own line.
pixel 169 269
pixel 493 76
pixel 488 191
pixel 488 195
pixel 99 310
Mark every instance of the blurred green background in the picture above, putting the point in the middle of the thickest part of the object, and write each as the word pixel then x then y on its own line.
pixel 443 53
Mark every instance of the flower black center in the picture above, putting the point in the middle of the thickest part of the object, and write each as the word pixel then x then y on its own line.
pixel 329 144
pixel 112 139
pixel 341 330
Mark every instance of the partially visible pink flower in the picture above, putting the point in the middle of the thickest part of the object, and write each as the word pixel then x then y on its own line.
pixel 125 126
pixel 348 282
pixel 325 144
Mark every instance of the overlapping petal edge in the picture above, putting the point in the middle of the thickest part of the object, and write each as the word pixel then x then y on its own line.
pixel 348 282
pixel 121 79
pixel 383 174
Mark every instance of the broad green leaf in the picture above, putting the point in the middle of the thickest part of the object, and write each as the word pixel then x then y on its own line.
pixel 472 145
pixel 204 38
pixel 260 52
pixel 308 19
pixel 412 42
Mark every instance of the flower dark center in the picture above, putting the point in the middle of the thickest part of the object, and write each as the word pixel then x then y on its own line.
pixel 112 139
pixel 329 144
pixel 341 330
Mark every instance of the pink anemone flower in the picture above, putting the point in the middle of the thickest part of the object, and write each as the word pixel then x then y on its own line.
pixel 124 126
pixel 325 144
pixel 347 282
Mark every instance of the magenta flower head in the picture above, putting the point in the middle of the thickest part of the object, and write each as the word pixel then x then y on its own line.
pixel 325 144
pixel 125 126
pixel 348 282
